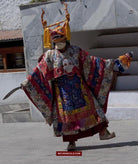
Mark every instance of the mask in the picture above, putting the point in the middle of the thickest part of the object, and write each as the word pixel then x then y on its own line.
pixel 60 45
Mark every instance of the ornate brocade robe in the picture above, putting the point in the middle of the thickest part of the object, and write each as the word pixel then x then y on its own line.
pixel 70 89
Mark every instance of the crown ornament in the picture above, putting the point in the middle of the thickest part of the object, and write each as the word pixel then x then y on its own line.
pixel 59 33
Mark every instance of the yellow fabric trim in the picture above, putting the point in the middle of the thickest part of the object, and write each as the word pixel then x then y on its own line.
pixel 67 29
pixel 47 38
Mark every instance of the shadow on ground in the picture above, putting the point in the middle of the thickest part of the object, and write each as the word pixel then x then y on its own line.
pixel 113 145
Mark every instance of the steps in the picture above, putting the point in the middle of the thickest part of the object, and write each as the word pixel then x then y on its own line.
pixel 15 113
pixel 12 107
pixel 123 105
pixel 127 82
pixel 16 116
pixel 122 113
pixel 112 46
pixel 123 99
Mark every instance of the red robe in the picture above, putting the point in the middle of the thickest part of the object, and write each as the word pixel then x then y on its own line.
pixel 71 90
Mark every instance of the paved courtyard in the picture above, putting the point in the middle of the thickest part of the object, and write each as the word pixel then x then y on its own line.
pixel 34 143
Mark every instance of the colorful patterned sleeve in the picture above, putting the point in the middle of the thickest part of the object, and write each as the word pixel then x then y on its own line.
pixel 38 88
pixel 98 75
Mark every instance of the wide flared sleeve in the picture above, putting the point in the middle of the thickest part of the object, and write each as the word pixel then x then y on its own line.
pixel 38 87
pixel 98 74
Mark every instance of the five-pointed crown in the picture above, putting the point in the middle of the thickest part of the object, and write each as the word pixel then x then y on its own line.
pixel 58 34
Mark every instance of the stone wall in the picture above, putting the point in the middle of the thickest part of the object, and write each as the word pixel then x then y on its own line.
pixel 10 14
pixel 88 20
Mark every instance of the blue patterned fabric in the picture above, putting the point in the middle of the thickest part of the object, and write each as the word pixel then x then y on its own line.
pixel 118 64
pixel 96 73
pixel 70 92
pixel 59 128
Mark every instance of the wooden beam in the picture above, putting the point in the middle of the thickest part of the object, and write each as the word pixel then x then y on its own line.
pixel 13 70
pixel 11 50
pixel 5 61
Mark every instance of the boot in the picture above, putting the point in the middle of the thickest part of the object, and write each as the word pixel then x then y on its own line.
pixel 107 135
pixel 71 146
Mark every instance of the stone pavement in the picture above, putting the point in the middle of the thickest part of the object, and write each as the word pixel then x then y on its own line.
pixel 34 143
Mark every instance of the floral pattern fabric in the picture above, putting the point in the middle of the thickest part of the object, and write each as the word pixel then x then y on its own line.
pixel 70 89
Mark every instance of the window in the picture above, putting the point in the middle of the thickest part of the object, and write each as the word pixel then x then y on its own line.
pixel 12 59
pixel 1 62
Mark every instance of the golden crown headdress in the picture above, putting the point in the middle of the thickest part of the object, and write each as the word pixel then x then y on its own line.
pixel 57 34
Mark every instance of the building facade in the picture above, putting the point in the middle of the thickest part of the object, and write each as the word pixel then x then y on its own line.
pixel 12 65
pixel 104 28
